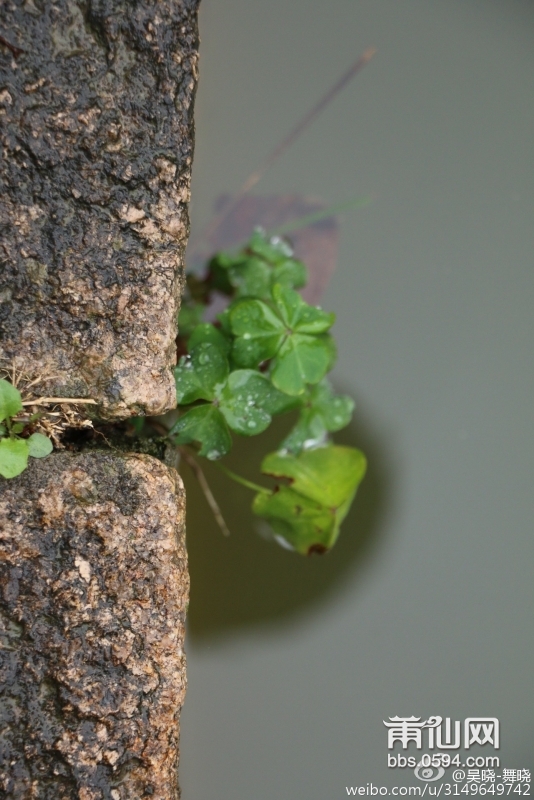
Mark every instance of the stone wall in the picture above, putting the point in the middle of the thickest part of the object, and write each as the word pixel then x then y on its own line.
pixel 96 130
pixel 94 581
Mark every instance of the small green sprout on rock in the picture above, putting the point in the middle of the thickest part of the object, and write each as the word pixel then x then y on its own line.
pixel 267 352
pixel 14 448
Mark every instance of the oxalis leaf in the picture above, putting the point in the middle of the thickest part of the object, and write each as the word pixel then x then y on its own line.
pixel 298 315
pixel 248 400
pixel 259 331
pixel 10 401
pixel 251 277
pixel 206 333
pixel 323 412
pixel 254 270
pixel 206 425
pixel 301 360
pixel 245 403
pixel 307 513
pixel 291 273
pixel 291 333
pixel 286 269
pixel 273 249
pixel 198 374
pixel 13 457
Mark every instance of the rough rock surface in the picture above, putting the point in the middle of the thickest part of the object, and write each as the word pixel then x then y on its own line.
pixel 96 137
pixel 93 593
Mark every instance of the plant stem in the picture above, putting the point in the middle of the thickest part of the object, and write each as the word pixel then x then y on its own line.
pixel 201 478
pixel 243 481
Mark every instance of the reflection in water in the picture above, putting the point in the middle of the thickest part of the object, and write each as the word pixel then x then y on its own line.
pixel 246 581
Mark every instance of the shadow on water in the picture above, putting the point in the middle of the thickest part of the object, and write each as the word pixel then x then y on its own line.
pixel 245 581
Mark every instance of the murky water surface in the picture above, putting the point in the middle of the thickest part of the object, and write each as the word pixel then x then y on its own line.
pixel 425 605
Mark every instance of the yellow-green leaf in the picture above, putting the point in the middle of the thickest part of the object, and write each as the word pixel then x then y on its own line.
pixel 308 512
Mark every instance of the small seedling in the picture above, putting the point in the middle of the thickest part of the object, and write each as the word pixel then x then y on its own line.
pixel 15 447
pixel 266 353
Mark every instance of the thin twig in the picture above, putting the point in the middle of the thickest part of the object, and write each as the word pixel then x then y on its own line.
pixel 39 379
pixel 111 446
pixel 201 478
pixel 286 142
pixel 48 401
pixel 255 176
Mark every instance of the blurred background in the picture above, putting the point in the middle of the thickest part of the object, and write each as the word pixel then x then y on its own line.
pixel 424 607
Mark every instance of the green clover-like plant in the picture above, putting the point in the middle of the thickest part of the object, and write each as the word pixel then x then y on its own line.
pixel 289 332
pixel 254 270
pixel 15 450
pixel 243 400
pixel 267 353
